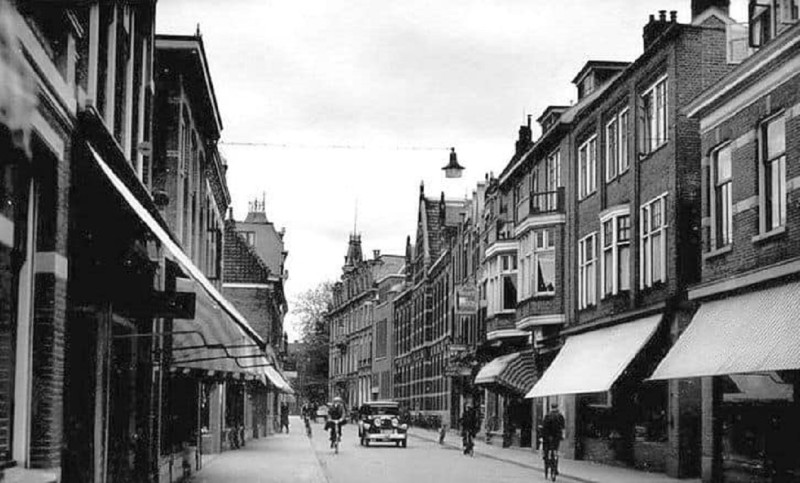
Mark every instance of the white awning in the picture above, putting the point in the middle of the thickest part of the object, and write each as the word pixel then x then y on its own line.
pixel 593 361
pixel 277 380
pixel 755 332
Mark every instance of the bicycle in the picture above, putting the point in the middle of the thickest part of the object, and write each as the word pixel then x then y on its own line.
pixel 551 464
pixel 336 436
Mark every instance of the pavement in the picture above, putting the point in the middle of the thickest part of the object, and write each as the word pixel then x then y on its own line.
pixel 294 457
pixel 581 471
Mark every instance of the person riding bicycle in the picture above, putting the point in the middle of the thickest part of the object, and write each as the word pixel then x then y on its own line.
pixel 336 415
pixel 552 430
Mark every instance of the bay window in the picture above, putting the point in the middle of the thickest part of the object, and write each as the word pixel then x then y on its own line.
pixel 722 204
pixel 502 284
pixel 653 117
pixel 653 241
pixel 773 172
pixel 616 253
pixel 587 271
pixel 587 159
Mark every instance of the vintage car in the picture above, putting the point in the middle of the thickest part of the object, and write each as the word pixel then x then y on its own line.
pixel 379 421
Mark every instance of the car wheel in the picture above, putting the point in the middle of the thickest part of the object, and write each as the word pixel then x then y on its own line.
pixel 366 442
pixel 403 443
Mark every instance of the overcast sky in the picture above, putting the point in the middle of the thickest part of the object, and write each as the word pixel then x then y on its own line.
pixel 399 82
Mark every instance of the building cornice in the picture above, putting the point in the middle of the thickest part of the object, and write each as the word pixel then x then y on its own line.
pixel 535 221
pixel 536 320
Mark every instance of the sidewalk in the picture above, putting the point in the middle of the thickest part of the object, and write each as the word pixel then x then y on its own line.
pixel 273 459
pixel 584 471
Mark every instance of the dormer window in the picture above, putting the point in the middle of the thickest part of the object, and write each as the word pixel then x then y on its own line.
pixel 769 18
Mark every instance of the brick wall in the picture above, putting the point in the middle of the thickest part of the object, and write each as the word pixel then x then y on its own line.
pixel 255 305
pixel 742 129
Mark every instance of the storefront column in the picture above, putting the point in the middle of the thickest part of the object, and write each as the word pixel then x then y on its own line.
pixel 683 428
pixel 711 430
pixel 216 413
pixel 569 407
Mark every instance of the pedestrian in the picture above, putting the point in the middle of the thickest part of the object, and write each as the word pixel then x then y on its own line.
pixel 442 433
pixel 469 428
pixel 336 418
pixel 552 433
pixel 285 417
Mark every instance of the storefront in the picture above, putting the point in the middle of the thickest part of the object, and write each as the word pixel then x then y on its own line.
pixel 744 349
pixel 597 379
pixel 506 380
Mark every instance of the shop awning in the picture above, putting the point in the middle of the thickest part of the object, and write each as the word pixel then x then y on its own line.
pixel 212 341
pixel 276 379
pixel 516 372
pixel 172 247
pixel 755 332
pixel 593 361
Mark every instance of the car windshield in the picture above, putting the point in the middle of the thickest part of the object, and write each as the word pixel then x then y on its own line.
pixel 382 410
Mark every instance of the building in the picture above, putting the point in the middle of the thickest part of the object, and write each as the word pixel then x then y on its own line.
pixel 388 287
pixel 424 311
pixel 351 319
pixel 112 311
pixel 256 288
pixel 741 346
pixel 632 246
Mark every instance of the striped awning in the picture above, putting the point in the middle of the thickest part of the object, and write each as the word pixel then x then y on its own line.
pixel 754 332
pixel 515 372
pixel 212 341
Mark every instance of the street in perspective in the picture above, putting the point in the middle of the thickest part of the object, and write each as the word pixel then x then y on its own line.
pixel 351 241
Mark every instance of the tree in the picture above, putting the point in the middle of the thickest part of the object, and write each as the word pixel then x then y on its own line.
pixel 310 308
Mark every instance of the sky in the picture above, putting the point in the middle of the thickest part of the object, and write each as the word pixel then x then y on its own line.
pixel 354 103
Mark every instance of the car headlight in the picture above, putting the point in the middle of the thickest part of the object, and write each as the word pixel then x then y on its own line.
pixel 403 426
pixel 394 422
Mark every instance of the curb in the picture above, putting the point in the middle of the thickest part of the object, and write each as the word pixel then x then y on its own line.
pixel 504 460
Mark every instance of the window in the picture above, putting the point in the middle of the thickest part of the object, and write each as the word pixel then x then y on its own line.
pixel 773 167
pixel 544 267
pixel 502 284
pixel 250 237
pixel 654 234
pixel 587 271
pixel 616 254
pixel 587 158
pixel 722 204
pixel 554 171
pixel 653 123
pixel 617 145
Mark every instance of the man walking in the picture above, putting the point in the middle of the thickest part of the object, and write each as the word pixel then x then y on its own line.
pixel 285 417
pixel 552 432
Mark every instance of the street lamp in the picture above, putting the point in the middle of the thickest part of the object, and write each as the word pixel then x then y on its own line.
pixel 453 169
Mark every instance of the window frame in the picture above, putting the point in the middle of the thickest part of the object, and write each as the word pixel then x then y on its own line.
pixel 646 235
pixel 547 248
pixel 587 272
pixel 621 162
pixel 767 213
pixel 717 188
pixel 587 167
pixel 659 123
pixel 616 245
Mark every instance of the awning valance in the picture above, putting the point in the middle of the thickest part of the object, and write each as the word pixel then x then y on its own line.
pixel 755 332
pixel 172 247
pixel 593 361
pixel 516 372
pixel 212 341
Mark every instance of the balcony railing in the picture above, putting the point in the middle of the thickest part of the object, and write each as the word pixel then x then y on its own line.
pixel 547 202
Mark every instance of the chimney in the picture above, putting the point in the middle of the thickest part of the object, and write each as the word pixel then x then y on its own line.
pixel 376 254
pixel 700 6
pixel 673 16
pixel 655 28
pixel 525 137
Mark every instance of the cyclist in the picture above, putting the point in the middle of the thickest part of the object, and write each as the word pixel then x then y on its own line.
pixel 552 434
pixel 336 415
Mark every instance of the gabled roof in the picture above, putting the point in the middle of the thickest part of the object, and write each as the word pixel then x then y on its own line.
pixel 242 264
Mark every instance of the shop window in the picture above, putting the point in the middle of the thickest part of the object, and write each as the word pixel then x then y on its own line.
pixel 650 409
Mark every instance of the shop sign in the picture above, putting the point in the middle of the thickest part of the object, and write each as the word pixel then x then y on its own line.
pixel 466 299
